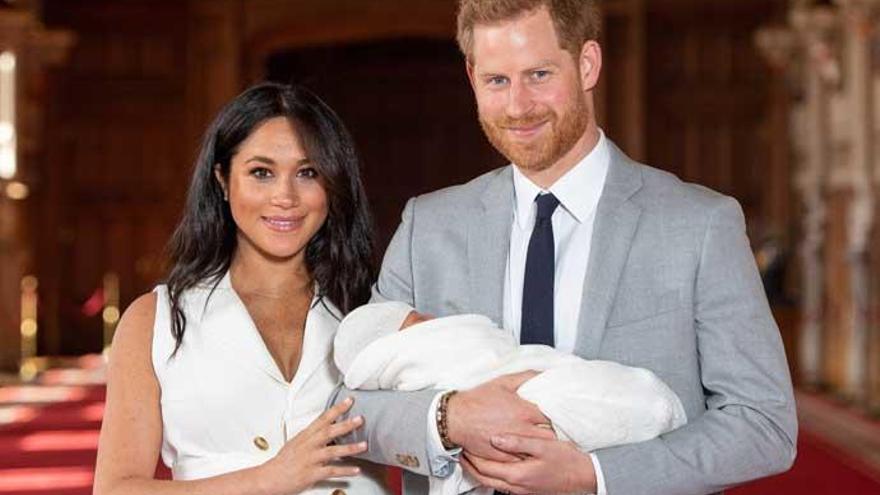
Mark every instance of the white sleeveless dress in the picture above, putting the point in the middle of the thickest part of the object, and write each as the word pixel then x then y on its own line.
pixel 225 404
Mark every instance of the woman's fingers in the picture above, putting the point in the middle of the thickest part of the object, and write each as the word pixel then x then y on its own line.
pixel 341 428
pixel 329 416
pixel 337 471
pixel 334 452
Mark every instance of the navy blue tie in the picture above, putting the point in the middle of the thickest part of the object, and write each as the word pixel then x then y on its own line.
pixel 536 325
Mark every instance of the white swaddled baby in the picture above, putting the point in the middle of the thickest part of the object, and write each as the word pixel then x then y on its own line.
pixel 593 404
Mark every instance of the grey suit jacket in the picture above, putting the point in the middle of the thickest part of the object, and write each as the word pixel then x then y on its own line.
pixel 671 286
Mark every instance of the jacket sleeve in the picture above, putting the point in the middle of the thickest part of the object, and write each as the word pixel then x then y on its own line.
pixel 749 429
pixel 395 422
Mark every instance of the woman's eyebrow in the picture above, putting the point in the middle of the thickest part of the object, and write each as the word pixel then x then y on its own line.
pixel 261 159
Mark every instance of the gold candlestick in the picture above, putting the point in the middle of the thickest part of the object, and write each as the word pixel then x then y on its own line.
pixel 111 308
pixel 28 366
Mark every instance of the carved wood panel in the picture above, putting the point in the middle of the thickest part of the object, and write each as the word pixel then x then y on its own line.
pixel 707 97
pixel 118 162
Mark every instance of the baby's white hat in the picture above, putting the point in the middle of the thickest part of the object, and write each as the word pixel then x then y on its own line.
pixel 363 326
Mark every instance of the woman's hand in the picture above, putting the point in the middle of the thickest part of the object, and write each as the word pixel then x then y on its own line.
pixel 307 458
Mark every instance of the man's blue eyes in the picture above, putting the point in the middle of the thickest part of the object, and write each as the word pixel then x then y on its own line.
pixel 538 75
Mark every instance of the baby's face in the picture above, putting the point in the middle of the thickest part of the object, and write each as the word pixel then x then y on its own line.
pixel 413 318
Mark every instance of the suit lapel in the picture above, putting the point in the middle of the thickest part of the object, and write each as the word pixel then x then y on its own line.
pixel 239 338
pixel 236 335
pixel 317 345
pixel 615 225
pixel 488 243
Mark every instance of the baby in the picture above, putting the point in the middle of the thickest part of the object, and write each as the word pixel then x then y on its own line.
pixel 594 404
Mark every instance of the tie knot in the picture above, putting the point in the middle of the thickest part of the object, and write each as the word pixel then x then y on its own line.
pixel 547 204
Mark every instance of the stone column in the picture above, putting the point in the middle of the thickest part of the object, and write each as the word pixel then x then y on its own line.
pixel 814 31
pixel 859 26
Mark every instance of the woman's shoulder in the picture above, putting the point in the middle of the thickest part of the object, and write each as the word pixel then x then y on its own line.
pixel 139 317
pixel 132 340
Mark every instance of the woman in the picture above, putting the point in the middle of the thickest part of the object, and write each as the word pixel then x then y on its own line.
pixel 227 368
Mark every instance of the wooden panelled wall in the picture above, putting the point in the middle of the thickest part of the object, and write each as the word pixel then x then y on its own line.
pixel 681 91
pixel 117 163
pixel 708 97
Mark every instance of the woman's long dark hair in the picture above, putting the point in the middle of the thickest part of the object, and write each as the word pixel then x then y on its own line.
pixel 339 256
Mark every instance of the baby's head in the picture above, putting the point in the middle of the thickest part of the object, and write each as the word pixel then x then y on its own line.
pixel 414 318
pixel 369 323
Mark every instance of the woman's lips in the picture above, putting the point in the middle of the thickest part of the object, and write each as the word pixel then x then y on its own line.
pixel 283 224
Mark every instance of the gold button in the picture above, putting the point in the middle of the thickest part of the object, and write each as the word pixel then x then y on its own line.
pixel 338 492
pixel 261 443
pixel 409 461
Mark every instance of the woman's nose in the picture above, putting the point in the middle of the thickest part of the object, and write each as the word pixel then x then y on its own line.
pixel 286 194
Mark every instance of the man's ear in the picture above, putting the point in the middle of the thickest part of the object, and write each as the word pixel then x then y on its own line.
pixel 218 175
pixel 590 64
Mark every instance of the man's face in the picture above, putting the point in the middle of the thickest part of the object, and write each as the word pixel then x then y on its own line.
pixel 530 98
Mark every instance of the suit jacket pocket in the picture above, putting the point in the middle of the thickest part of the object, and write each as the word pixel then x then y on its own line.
pixel 633 305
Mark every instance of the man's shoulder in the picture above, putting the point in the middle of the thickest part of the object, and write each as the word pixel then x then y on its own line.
pixel 665 191
pixel 460 196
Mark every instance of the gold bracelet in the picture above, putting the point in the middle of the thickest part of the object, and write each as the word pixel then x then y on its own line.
pixel 441 418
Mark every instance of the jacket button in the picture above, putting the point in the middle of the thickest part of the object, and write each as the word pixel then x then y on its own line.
pixel 409 461
pixel 261 443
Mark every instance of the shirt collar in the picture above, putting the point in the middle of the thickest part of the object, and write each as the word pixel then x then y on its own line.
pixel 578 191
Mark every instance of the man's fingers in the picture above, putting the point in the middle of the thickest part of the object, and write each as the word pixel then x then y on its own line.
pixel 499 470
pixel 544 431
pixel 481 478
pixel 531 414
pixel 495 455
pixel 520 445
pixel 514 380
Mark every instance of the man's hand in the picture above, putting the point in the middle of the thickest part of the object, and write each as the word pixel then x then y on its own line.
pixel 493 408
pixel 547 466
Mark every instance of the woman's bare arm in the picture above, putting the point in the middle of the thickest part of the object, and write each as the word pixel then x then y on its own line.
pixel 131 434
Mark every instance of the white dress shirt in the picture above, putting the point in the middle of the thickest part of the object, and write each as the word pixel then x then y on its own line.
pixel 578 192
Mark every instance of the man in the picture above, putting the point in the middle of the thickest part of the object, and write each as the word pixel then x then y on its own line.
pixel 577 246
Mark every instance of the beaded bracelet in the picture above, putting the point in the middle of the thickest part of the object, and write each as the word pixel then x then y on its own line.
pixel 442 426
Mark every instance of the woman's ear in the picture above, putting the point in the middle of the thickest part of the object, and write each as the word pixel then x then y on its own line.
pixel 220 180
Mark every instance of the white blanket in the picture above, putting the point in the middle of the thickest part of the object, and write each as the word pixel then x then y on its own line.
pixel 594 404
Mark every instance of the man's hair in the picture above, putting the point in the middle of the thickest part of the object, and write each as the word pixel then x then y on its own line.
pixel 575 21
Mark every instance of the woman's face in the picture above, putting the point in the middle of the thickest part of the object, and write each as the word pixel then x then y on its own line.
pixel 276 197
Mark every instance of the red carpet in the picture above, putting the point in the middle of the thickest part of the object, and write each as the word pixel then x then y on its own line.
pixel 819 469
pixel 49 436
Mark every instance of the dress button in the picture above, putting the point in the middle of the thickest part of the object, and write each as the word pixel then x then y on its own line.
pixel 338 492
pixel 261 443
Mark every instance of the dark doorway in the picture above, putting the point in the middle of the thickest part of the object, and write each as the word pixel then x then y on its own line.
pixel 409 106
